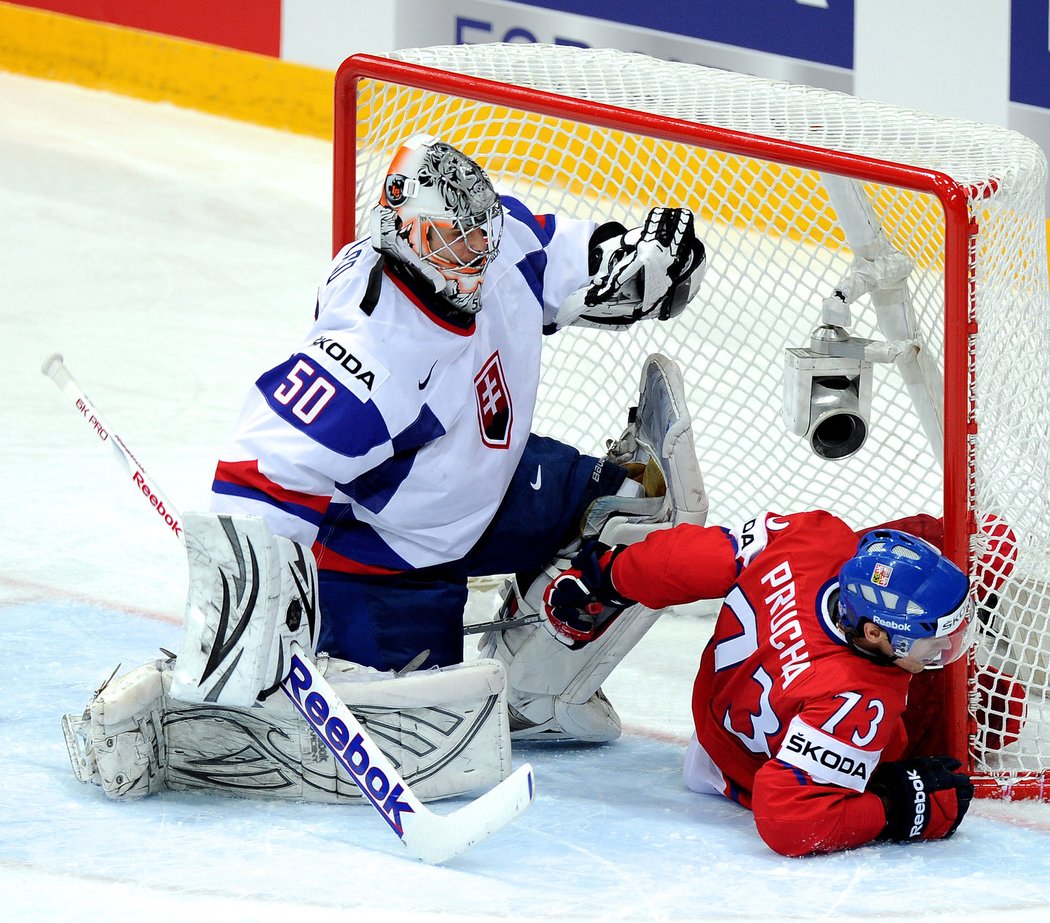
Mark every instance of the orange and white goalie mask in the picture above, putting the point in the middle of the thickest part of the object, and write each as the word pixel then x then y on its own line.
pixel 439 215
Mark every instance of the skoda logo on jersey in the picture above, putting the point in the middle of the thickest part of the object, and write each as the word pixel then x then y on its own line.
pixel 347 361
pixel 495 413
pixel 350 365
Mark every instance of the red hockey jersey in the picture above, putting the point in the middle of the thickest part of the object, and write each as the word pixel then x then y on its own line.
pixel 793 720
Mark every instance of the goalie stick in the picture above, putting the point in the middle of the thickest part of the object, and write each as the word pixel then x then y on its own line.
pixel 55 369
pixel 433 838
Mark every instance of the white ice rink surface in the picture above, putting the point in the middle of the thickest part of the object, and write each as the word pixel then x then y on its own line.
pixel 170 257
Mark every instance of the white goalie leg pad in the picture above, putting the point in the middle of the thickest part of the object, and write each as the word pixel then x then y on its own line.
pixel 446 730
pixel 555 691
pixel 118 742
pixel 251 594
pixel 663 431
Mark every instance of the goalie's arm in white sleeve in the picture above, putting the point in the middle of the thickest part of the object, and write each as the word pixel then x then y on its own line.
pixel 647 272
pixel 277 468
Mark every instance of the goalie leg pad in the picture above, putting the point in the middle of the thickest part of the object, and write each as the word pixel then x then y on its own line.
pixel 447 731
pixel 555 690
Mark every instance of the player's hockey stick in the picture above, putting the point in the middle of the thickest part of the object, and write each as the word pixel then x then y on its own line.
pixel 517 621
pixel 431 837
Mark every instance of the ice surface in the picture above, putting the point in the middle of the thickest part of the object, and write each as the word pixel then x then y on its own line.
pixel 171 256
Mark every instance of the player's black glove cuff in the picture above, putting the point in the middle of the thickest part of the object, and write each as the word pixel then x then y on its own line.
pixel 578 598
pixel 925 798
pixel 594 562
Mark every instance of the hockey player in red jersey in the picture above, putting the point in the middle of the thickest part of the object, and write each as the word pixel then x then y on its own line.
pixel 798 704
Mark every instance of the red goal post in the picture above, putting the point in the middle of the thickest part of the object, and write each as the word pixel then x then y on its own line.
pixel 605 134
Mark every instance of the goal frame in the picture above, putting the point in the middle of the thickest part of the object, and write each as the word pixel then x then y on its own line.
pixel 959 291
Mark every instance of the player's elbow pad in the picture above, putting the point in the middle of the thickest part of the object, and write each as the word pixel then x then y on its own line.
pixel 794 838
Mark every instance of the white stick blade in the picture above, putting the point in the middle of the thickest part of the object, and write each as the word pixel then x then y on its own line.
pixel 436 838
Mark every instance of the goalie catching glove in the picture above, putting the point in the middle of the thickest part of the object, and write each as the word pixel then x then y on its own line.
pixel 651 271
pixel 575 601
pixel 925 798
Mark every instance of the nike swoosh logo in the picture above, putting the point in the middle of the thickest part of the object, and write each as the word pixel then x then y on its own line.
pixel 426 381
pixel 535 485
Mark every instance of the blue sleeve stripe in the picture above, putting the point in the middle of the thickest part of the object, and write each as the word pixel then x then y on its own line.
pixel 426 427
pixel 357 541
pixel 374 488
pixel 799 775
pixel 532 269
pixel 736 549
pixel 541 225
pixel 250 493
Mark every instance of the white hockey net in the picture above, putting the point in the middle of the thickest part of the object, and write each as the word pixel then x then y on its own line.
pixel 747 156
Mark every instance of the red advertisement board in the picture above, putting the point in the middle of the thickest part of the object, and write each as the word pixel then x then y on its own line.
pixel 247 25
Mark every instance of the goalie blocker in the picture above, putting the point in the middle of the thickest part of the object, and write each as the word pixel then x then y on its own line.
pixel 208 719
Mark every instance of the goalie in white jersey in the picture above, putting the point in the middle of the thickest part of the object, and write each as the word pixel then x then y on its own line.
pixel 395 442
pixel 396 439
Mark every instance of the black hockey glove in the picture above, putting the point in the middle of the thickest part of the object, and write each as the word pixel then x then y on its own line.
pixel 925 798
pixel 577 599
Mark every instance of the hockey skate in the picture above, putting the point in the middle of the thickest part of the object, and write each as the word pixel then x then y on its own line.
pixel 118 741
pixel 554 690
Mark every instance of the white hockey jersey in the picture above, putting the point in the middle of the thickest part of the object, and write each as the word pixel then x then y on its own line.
pixel 389 438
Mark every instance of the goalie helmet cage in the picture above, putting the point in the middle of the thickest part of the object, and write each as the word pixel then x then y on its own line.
pixel 602 134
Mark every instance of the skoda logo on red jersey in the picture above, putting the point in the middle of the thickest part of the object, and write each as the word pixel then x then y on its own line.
pixel 495 414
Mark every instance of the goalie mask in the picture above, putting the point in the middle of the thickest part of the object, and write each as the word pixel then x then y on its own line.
pixel 911 591
pixel 439 216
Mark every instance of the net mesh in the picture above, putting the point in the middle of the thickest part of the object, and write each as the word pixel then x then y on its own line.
pixel 776 249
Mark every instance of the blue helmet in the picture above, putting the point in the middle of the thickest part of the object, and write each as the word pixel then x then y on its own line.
pixel 911 591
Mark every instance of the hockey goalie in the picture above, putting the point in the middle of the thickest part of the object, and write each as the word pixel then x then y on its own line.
pixel 384 463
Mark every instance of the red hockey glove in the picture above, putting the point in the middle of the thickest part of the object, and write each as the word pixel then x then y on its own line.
pixel 925 798
pixel 574 600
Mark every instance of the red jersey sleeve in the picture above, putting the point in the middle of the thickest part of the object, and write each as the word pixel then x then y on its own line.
pixel 811 797
pixel 796 816
pixel 676 566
